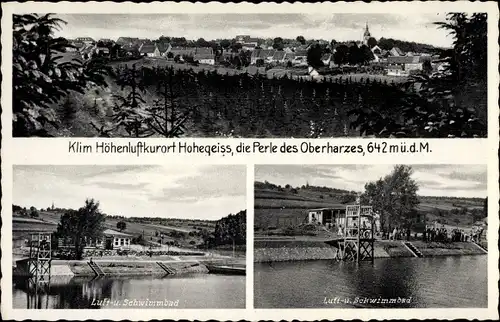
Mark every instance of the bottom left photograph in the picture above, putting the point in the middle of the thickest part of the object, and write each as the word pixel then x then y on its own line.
pixel 103 237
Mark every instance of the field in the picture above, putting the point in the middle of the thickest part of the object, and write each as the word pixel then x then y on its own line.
pixel 149 231
pixel 281 209
pixel 360 77
pixel 285 208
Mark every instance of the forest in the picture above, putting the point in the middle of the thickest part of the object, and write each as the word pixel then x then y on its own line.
pixel 230 230
pixel 149 101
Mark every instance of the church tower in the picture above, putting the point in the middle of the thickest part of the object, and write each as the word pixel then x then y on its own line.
pixel 366 35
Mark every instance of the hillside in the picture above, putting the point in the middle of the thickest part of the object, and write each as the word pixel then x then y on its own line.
pixel 218 102
pixel 185 233
pixel 277 206
pixel 82 115
pixel 182 233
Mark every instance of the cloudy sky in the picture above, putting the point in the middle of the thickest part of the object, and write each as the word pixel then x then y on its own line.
pixel 182 191
pixel 341 27
pixel 433 180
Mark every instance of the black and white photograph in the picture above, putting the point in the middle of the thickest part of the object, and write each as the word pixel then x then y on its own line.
pixel 371 236
pixel 242 75
pixel 118 237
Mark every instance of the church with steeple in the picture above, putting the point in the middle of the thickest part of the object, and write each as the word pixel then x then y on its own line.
pixel 366 35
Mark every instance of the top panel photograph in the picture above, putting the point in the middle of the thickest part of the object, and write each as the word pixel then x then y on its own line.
pixel 266 75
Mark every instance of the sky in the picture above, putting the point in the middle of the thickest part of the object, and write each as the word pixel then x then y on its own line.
pixel 433 180
pixel 174 191
pixel 340 26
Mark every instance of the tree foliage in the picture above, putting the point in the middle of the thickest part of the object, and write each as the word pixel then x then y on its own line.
pixel 341 55
pixel 372 42
pixel 231 229
pixel 41 77
pixel 207 101
pixel 314 55
pixel 130 110
pixel 34 212
pixel 405 46
pixel 448 103
pixel 166 118
pixel 394 197
pixel 278 43
pixel 301 40
pixel 121 225
pixel 79 226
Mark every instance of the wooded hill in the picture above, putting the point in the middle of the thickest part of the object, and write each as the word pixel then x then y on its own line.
pixel 277 206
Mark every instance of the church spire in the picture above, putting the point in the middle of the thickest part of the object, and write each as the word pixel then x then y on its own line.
pixel 366 35
pixel 367 31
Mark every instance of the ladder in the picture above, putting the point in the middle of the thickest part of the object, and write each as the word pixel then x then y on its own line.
pixel 97 270
pixel 167 269
pixel 414 250
pixel 480 247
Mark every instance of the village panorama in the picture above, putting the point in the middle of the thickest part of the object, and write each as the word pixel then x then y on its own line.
pixel 88 238
pixel 248 86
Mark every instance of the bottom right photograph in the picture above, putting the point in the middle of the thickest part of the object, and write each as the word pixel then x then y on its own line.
pixel 388 236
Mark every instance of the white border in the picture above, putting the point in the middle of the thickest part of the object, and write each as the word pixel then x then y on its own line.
pixel 50 151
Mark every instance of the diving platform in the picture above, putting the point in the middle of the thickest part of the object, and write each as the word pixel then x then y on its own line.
pixel 355 241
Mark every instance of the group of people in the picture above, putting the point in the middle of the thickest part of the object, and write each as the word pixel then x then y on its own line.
pixel 398 234
pixel 453 235
pixel 353 230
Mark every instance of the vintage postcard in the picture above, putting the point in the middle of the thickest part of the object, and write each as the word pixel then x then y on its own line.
pixel 210 161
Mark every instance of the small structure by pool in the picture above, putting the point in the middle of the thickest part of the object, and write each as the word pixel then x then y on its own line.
pixel 335 216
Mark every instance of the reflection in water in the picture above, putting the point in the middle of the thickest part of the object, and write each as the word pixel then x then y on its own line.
pixel 458 281
pixel 190 291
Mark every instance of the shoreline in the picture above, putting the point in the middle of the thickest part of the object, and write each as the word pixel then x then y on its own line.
pixel 123 267
pixel 292 250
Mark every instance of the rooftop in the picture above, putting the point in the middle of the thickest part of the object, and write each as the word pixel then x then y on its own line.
pixel 147 49
pixel 406 59
pixel 31 220
pixel 333 207
pixel 111 232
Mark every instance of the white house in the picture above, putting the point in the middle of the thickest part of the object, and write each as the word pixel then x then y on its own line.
pixel 242 38
pixel 85 40
pixel 204 56
pixel 395 51
pixel 250 47
pixel 147 50
pixel 300 58
pixel 162 49
pixel 335 217
pixel 396 70
pixel 326 58
pixel 265 55
pixel 102 51
pixel 404 65
pixel 114 240
pixel 111 239
pixel 377 53
pixel 279 56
